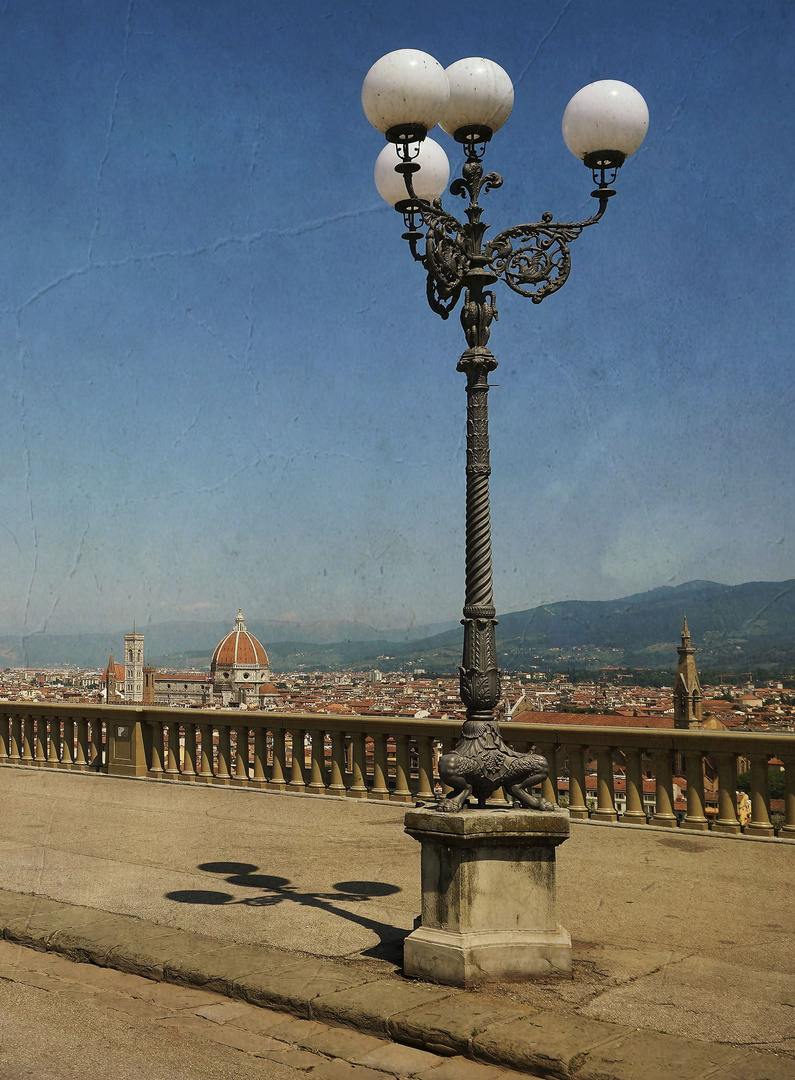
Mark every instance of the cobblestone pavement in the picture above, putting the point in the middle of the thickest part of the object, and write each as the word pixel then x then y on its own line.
pixel 65 1021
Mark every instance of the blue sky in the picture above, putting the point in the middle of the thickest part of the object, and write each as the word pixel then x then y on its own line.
pixel 222 384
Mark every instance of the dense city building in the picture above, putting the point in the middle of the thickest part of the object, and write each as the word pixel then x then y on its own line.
pixel 240 676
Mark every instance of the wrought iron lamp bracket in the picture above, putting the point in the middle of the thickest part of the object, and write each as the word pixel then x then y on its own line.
pixel 532 259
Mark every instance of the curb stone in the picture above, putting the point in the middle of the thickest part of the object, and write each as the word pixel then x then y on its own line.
pixel 436 1019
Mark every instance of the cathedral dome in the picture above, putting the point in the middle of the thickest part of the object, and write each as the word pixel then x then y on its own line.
pixel 239 649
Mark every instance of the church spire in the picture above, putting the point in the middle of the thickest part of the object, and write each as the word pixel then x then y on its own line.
pixel 687 687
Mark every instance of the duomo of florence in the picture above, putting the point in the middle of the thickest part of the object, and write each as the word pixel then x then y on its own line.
pixel 239 676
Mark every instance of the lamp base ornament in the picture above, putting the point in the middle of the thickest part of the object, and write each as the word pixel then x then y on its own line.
pixel 482 762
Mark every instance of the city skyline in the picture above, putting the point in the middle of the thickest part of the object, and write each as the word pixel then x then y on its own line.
pixel 224 387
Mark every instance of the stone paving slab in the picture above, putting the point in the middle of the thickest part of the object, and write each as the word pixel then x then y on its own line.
pixel 648 1055
pixel 545 1043
pixel 492 1038
pixel 675 1005
pixel 294 988
pixel 372 1007
pixel 753 1066
pixel 450 1026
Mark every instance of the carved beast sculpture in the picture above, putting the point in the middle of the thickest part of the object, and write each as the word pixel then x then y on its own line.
pixel 483 762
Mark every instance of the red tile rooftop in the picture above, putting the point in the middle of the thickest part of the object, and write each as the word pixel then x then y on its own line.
pixel 594 720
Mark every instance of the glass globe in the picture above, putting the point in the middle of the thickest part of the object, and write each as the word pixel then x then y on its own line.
pixel 605 115
pixel 481 96
pixel 404 88
pixel 429 181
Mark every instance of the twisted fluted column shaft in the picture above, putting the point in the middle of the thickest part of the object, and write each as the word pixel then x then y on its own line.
pixel 480 681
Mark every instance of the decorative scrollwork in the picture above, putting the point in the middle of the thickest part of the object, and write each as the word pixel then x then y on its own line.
pixel 446 258
pixel 540 262
pixel 533 259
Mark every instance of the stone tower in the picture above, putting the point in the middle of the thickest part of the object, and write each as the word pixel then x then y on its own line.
pixel 133 668
pixel 687 688
pixel 149 686
pixel 110 682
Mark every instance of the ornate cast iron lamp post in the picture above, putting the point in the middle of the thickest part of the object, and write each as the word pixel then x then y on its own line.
pixel 405 94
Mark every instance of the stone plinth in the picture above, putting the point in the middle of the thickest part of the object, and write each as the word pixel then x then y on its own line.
pixel 488 896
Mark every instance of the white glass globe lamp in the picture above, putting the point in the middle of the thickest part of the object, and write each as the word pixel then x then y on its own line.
pixel 605 122
pixel 404 94
pixel 481 99
pixel 429 180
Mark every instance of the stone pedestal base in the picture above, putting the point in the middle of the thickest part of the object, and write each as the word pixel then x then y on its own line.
pixel 488 897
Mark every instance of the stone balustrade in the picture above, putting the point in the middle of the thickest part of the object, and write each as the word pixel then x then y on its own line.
pixel 394 759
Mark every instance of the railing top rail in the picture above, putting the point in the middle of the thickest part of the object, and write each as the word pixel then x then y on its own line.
pixel 654 738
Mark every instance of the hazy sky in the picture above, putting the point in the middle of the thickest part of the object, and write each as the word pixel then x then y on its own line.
pixel 222 384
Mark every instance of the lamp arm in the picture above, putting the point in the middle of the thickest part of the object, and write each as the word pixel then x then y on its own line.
pixel 534 259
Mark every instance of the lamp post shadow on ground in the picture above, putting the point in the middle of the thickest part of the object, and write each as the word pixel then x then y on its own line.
pixel 505 857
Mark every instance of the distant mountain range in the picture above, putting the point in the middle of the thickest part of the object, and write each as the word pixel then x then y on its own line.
pixel 735 628
pixel 191 642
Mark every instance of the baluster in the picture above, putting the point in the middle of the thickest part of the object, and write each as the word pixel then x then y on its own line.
pixel 402 792
pixel 759 825
pixel 317 763
pixel 68 742
pixel 156 739
pixel 278 780
pixel 727 795
pixel 425 768
pixel 578 808
pixel 549 787
pixel 788 828
pixel 206 754
pixel 241 756
pixel 337 778
pixel 4 729
pixel 605 807
pixel 358 787
pixel 54 752
pixel 499 797
pixel 95 746
pixel 172 757
pixel 15 740
pixel 664 798
pixel 260 755
pixel 436 752
pixel 189 757
pixel 695 818
pixel 297 760
pixel 448 745
pixel 81 753
pixel 634 812
pixel 391 762
pixel 380 788
pixel 40 742
pixel 27 740
pixel 223 776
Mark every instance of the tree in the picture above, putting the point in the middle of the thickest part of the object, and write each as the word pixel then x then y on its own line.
pixel 775 782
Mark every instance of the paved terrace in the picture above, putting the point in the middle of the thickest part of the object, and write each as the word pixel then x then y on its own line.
pixel 689 935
